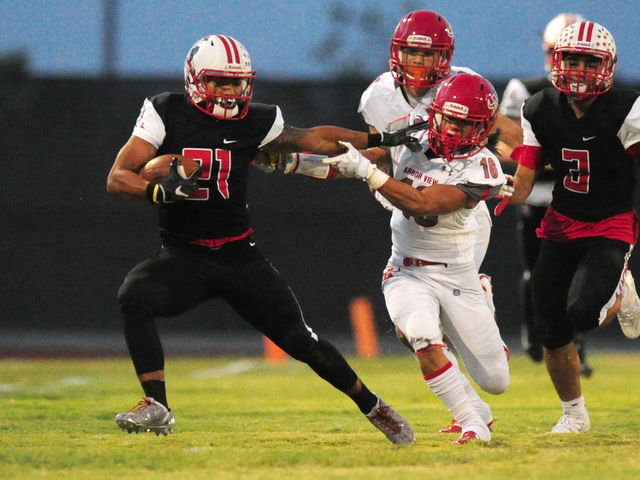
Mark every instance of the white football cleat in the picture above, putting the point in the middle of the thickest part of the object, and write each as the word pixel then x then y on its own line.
pixel 572 424
pixel 474 433
pixel 629 313
pixel 147 416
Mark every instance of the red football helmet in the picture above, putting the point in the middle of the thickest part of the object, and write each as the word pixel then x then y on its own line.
pixel 422 30
pixel 219 56
pixel 471 103
pixel 584 38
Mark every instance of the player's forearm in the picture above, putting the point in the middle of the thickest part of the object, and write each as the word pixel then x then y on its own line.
pixel 510 131
pixel 326 139
pixel 435 200
pixel 127 184
pixel 523 184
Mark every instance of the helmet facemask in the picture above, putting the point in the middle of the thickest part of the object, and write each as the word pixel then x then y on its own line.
pixel 580 83
pixel 420 76
pixel 462 116
pixel 467 139
pixel 225 106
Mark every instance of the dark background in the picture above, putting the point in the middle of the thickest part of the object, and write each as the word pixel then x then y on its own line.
pixel 67 244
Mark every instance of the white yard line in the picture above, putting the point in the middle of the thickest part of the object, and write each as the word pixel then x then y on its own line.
pixel 233 368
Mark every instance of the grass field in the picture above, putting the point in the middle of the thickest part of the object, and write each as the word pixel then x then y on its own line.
pixel 246 419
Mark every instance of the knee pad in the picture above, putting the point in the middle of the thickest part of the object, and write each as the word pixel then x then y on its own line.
pixel 491 373
pixel 422 333
pixel 495 382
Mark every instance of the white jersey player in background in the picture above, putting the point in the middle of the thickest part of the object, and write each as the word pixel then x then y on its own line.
pixel 420 59
pixel 431 283
pixel 421 50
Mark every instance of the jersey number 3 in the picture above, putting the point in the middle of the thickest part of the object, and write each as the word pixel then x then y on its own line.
pixel 205 157
pixel 577 178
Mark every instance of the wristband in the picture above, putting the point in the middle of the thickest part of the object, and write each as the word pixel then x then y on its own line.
pixel 152 192
pixel 374 140
pixel 311 165
pixel 377 178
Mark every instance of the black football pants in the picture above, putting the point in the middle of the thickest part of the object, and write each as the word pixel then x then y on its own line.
pixel 572 283
pixel 181 277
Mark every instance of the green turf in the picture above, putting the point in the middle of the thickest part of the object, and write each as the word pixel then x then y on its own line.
pixel 245 419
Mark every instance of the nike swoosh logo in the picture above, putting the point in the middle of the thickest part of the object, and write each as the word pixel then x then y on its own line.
pixel 228 141
pixel 586 139
pixel 252 244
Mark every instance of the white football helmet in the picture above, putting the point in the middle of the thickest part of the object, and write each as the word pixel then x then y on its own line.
pixel 219 56
pixel 553 30
pixel 584 38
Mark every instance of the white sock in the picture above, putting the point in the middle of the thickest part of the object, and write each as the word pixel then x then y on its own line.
pixel 448 387
pixel 480 405
pixel 575 408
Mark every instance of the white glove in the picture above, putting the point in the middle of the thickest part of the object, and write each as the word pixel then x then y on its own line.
pixel 354 165
pixel 507 188
pixel 351 164
pixel 505 194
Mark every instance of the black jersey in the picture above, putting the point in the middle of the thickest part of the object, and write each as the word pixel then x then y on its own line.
pixel 595 176
pixel 225 149
pixel 535 84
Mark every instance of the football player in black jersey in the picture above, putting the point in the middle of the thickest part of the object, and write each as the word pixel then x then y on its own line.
pixel 207 246
pixel 533 209
pixel 589 132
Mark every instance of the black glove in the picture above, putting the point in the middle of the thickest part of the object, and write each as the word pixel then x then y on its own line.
pixel 399 137
pixel 175 187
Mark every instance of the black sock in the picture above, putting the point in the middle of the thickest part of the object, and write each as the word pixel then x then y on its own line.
pixel 365 399
pixel 156 390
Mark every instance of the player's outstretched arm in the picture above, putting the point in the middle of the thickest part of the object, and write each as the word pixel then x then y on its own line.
pixel 326 139
pixel 435 200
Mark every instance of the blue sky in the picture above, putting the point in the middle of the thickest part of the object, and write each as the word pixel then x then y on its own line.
pixel 498 39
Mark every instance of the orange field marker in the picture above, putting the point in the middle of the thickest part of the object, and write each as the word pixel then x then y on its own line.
pixel 362 322
pixel 273 353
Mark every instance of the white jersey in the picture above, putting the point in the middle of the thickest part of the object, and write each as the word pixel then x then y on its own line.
pixel 448 238
pixel 384 106
pixel 383 103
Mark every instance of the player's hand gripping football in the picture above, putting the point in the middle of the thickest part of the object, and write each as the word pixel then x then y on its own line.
pixel 175 187
pixel 505 194
pixel 402 137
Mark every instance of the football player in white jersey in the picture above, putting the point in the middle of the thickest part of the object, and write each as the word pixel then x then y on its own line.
pixel 431 284
pixel 420 59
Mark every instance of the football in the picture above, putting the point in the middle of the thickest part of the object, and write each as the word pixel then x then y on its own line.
pixel 156 170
